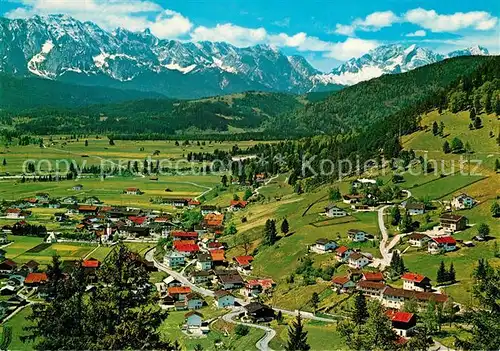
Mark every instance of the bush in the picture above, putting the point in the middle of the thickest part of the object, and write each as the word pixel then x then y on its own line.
pixel 241 330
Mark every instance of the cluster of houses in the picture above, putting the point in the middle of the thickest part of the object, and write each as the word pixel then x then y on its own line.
pixel 373 285
pixel 352 257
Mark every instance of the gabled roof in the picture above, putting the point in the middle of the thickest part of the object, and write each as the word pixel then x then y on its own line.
pixel 179 290
pixel 340 280
pixel 91 263
pixel 373 276
pixel 180 234
pixel 87 208
pixel 341 250
pixel 33 278
pixel 186 247
pixel 217 255
pixel 399 316
pixel 366 284
pixel 414 277
pixel 450 217
pixel 192 313
pixel 418 295
pixel 418 236
pixel 238 203
pixel 10 263
pixel 221 293
pixel 31 264
pixel 445 240
pixel 243 260
pixel 138 219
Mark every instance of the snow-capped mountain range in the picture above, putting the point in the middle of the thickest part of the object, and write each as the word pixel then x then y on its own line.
pixel 62 48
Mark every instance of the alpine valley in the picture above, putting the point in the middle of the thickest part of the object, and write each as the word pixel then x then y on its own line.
pixel 61 48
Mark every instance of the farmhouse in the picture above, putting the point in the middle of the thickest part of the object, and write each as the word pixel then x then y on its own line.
pixel 395 297
pixel 373 276
pixel 416 282
pixel 14 213
pixel 8 266
pixel 229 279
pixel 441 244
pixel 243 263
pixel 258 312
pixel 403 323
pixel 194 301
pixel 452 223
pixel 186 249
pixel 200 276
pixel 223 299
pixel 356 235
pixel 342 253
pixel 173 259
pixel 87 210
pixel 418 239
pixel 333 211
pixel 415 208
pixel 324 245
pixel 35 279
pixel 370 288
pixel 218 257
pixel 193 319
pixel 207 209
pixel 342 284
pixel 132 191
pixel 185 235
pixel 352 199
pixel 204 261
pixel 358 260
pixel 462 202
pixel 255 287
pixel 236 205
pixel 179 292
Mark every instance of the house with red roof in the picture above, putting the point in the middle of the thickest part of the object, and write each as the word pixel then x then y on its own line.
pixel 193 203
pixel 187 249
pixel 236 205
pixel 14 213
pixel 138 220
pixel 441 244
pixel 218 256
pixel 403 323
pixel 35 279
pixel 179 235
pixel 416 282
pixel 179 292
pixel 342 284
pixel 255 287
pixel 243 263
pixel 132 191
pixel 342 253
pixel 91 263
pixel 373 276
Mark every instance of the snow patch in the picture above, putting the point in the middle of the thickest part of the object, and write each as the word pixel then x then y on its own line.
pixel 219 64
pixel 38 59
pixel 176 67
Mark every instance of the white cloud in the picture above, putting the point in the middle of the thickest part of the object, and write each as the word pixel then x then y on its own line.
pixel 430 19
pixel 418 33
pixel 352 47
pixel 131 14
pixel 373 22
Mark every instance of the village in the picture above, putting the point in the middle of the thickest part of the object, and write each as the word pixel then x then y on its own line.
pixel 194 258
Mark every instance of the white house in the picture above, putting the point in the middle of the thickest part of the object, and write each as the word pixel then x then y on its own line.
pixel 362 182
pixel 356 235
pixel 223 299
pixel 173 259
pixel 193 319
pixel 357 260
pixel 200 276
pixel 403 323
pixel 333 211
pixel 203 261
pixel 14 213
pixel 462 202
pixel 324 245
pixel 414 208
pixel 418 239
pixel 416 282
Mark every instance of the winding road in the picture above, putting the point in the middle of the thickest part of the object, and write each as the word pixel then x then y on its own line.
pixel 262 344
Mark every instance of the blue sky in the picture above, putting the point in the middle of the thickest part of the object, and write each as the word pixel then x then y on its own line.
pixel 325 32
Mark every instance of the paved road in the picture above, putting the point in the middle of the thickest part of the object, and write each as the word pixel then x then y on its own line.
pixel 263 343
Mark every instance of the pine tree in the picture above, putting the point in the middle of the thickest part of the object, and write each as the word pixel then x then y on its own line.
pixel 441 273
pixel 478 123
pixel 284 226
pixel 379 334
pixel 4 162
pixel 495 209
pixel 224 180
pixel 472 114
pixel 396 215
pixel 297 337
pixel 497 165
pixel 270 233
pixel 435 128
pixel 441 129
pixel 497 107
pixel 86 143
pixel 359 314
pixel 451 274
pixel 446 147
pixel 314 301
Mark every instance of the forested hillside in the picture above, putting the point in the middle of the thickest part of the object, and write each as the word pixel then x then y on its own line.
pixel 156 116
pixel 24 93
pixel 359 107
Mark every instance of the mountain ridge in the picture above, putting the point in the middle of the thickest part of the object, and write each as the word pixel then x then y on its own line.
pixel 62 48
